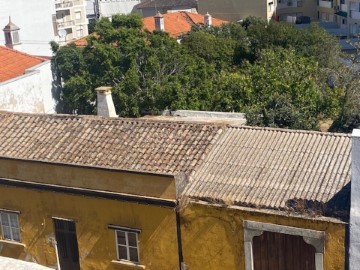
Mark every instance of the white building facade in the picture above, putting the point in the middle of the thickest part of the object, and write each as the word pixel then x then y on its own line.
pixel 108 8
pixel 71 21
pixel 35 18
pixel 31 92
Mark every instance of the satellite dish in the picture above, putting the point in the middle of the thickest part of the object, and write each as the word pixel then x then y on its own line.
pixel 62 33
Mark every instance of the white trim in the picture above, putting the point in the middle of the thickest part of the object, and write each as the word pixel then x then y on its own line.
pixel 312 237
pixel 11 228
pixel 127 245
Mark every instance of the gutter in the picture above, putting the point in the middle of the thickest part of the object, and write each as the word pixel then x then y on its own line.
pixel 89 192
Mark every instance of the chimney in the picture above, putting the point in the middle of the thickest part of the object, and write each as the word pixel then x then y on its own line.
pixel 159 22
pixel 207 19
pixel 12 38
pixel 105 104
pixel 354 247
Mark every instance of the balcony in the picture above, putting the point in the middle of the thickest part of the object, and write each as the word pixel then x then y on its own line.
pixel 286 4
pixel 66 24
pixel 67 4
pixel 325 4
pixel 355 14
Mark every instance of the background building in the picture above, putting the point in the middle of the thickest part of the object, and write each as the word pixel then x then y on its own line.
pixel 235 10
pixel 36 21
pixel 71 20
pixel 150 8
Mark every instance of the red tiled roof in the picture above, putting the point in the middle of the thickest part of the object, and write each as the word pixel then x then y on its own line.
pixel 178 23
pixel 82 42
pixel 14 63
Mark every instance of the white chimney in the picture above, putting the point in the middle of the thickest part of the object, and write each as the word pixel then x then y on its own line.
pixel 207 19
pixel 354 248
pixel 159 22
pixel 12 38
pixel 105 103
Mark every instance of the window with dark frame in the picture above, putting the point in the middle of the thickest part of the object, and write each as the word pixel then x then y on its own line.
pixel 10 226
pixel 127 245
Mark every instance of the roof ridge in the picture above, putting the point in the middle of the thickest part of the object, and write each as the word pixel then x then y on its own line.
pixel 112 119
pixel 23 53
pixel 231 126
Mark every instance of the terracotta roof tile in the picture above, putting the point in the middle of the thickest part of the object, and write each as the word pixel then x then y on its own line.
pixel 129 144
pixel 274 168
pixel 14 63
pixel 178 23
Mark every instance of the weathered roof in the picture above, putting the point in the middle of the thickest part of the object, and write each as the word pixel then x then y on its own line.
pixel 178 23
pixel 14 63
pixel 166 3
pixel 13 264
pixel 275 169
pixel 115 143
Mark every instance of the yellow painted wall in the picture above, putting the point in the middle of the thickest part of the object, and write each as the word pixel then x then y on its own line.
pixel 212 237
pixel 158 238
pixel 99 179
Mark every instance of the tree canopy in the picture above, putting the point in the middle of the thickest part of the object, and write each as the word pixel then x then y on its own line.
pixel 278 75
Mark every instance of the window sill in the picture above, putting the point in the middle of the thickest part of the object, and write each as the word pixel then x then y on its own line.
pixel 130 264
pixel 9 242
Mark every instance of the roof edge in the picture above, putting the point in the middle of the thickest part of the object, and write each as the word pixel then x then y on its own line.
pixel 167 175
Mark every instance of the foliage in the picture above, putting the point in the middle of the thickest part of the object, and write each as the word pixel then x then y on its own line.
pixel 279 75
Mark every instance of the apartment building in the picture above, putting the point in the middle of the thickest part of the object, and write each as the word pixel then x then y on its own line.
pixel 71 21
pixel 353 17
pixel 290 10
pixel 235 10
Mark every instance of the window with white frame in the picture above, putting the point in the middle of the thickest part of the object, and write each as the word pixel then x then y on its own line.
pixel 127 245
pixel 10 226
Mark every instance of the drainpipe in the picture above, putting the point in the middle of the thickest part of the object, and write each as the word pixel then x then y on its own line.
pixel 179 239
pixel 181 180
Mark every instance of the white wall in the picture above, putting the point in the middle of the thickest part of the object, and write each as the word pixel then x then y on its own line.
pixel 34 17
pixel 29 93
pixel 354 250
pixel 108 8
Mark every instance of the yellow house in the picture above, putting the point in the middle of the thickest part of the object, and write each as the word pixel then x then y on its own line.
pixel 95 192
pixel 110 193
pixel 269 199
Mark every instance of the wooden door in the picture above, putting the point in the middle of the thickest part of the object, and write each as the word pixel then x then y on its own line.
pixel 276 251
pixel 65 233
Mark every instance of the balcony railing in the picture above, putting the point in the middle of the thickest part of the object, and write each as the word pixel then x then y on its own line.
pixel 355 14
pixel 287 4
pixel 66 24
pixel 326 4
pixel 68 4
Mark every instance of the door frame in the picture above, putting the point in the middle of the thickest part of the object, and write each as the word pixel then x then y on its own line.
pixel 55 240
pixel 312 237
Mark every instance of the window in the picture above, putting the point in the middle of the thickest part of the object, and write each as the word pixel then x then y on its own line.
pixel 78 15
pixel 127 245
pixel 10 226
pixel 16 38
pixel 79 31
pixel 8 39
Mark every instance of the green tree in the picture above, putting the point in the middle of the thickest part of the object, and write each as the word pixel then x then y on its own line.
pixel 286 91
